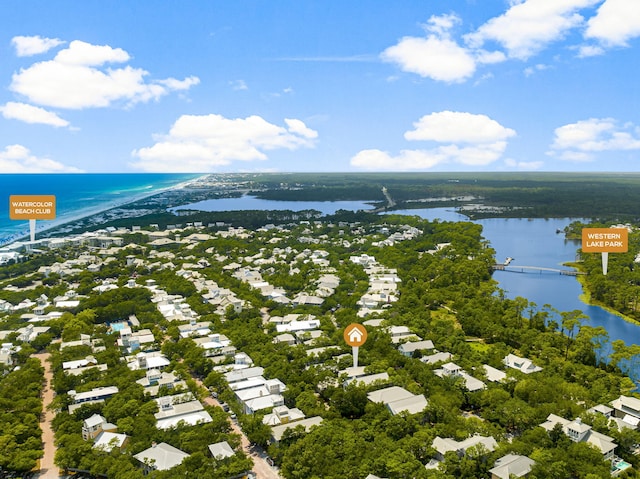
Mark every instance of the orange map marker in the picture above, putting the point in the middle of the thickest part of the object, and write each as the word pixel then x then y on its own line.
pixel 355 336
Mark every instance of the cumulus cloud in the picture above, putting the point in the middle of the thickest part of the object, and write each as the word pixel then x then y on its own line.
pixel 525 29
pixel 464 138
pixel 437 56
pixel 458 127
pixel 28 46
pixel 529 26
pixel 579 141
pixel 18 159
pixel 615 23
pixel 81 76
pixel 31 114
pixel 201 143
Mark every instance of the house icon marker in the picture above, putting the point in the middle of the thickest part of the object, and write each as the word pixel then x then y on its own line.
pixel 355 335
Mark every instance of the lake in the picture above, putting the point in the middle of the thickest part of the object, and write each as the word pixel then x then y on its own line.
pixel 534 242
pixel 247 202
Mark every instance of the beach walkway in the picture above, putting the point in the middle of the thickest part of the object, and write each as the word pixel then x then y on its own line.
pixel 48 470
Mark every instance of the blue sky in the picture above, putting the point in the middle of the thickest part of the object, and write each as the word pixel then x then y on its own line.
pixel 297 85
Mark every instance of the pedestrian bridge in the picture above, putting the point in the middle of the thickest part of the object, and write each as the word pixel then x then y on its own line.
pixel 536 270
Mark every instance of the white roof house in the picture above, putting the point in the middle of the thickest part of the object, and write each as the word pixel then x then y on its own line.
pixel 107 441
pixel 161 457
pixel 173 411
pixel 278 431
pixel 221 450
pixel 493 374
pixel 521 364
pixel 412 346
pixel 578 431
pixel 399 400
pixel 626 406
pixel 444 445
pixel 511 465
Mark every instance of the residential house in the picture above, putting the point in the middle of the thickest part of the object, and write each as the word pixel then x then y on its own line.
pixel 94 425
pixel 523 365
pixel 511 466
pixel 578 431
pixel 221 450
pixel 145 361
pixel 627 408
pixel 96 395
pixel 282 415
pixel 398 399
pixel 402 333
pixel 494 375
pixel 161 457
pixel 278 431
pixel 155 379
pixel 79 366
pixel 444 445
pixel 452 370
pixel 436 358
pixel 409 348
pixel 180 408
pixel 107 441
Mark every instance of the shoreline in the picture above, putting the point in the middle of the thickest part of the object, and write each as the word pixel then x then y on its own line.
pixel 585 297
pixel 94 211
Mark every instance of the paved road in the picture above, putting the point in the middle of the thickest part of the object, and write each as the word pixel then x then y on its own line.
pixel 48 470
pixel 261 467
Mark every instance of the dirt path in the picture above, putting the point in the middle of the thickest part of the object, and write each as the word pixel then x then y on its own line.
pixel 48 470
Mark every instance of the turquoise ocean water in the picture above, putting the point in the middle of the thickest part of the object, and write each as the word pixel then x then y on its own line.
pixel 77 194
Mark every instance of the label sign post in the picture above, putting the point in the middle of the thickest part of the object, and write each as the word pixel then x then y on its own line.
pixel 355 335
pixel 32 208
pixel 605 241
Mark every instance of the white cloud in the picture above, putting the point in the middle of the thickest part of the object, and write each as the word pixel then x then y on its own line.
pixel 536 68
pixel 77 78
pixel 458 127
pixel 239 85
pixel 179 85
pixel 406 160
pixel 31 114
pixel 590 51
pixel 579 141
pixel 18 159
pixel 85 54
pixel 616 22
pixel 529 26
pixel 201 143
pixel 27 46
pixel 437 56
pixel 524 165
pixel 475 155
pixel 465 138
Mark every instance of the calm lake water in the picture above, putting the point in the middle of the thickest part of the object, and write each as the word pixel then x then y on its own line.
pixel 252 203
pixel 534 242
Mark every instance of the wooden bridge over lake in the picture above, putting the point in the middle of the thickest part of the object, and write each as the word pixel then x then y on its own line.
pixel 535 269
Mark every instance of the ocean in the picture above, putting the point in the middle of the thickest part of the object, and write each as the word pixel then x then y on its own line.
pixel 77 195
